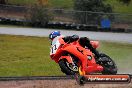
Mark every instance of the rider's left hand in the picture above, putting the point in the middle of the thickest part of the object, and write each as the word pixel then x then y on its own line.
pixel 74 37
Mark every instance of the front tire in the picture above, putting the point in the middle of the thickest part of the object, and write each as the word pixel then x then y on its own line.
pixel 65 67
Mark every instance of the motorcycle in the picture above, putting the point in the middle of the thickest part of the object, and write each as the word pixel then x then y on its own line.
pixel 68 56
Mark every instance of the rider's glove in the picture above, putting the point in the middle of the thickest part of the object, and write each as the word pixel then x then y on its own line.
pixel 74 38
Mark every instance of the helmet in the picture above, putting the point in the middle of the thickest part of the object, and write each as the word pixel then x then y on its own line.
pixel 54 34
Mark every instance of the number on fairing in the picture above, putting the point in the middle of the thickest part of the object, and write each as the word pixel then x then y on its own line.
pixel 55 47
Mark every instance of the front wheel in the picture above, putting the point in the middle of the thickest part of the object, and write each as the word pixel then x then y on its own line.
pixel 108 65
pixel 67 68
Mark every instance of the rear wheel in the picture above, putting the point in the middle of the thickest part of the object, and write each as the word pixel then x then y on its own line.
pixel 68 68
pixel 108 64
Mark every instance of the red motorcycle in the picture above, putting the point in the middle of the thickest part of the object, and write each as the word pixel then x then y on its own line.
pixel 72 56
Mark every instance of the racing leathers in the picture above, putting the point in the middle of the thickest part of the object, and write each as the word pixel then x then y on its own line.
pixel 83 41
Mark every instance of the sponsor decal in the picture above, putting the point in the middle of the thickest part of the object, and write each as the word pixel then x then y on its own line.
pixel 123 78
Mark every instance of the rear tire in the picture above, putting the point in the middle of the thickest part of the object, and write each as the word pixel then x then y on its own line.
pixel 108 64
pixel 65 69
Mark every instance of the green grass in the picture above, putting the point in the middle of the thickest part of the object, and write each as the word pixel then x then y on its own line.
pixel 121 53
pixel 16 26
pixel 22 2
pixel 52 3
pixel 26 56
pixel 29 56
pixel 68 4
pixel 120 7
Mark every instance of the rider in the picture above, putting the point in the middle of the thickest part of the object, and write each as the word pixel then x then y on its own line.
pixel 83 41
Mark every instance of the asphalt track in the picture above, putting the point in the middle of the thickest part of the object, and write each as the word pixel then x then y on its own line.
pixel 43 32
pixel 53 82
pixel 40 78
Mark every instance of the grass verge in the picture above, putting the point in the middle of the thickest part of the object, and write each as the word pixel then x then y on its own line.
pixel 29 56
pixel 52 3
pixel 117 6
pixel 26 56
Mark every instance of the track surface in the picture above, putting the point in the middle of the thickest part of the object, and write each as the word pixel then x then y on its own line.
pixel 116 37
pixel 53 82
pixel 57 84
